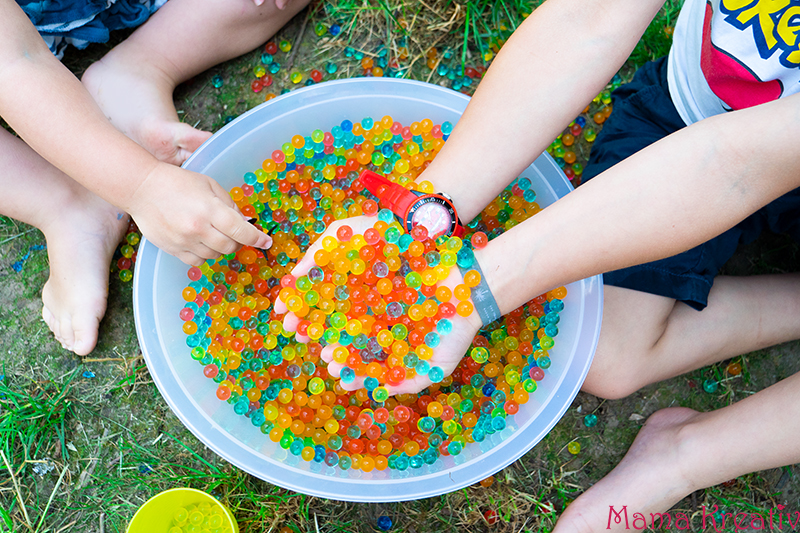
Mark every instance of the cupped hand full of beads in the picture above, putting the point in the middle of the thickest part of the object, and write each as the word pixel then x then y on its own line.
pixel 414 337
pixel 190 216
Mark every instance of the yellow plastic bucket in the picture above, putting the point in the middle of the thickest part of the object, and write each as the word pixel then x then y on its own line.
pixel 179 508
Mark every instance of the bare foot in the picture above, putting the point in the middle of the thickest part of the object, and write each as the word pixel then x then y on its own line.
pixel 649 479
pixel 81 240
pixel 137 99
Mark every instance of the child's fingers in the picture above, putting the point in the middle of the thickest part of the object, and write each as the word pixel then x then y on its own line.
pixel 410 386
pixel 357 383
pixel 280 307
pixel 358 224
pixel 190 258
pixel 290 322
pixel 230 223
pixel 327 353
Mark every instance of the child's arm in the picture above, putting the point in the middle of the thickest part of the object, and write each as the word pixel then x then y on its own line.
pixel 665 199
pixel 186 214
pixel 559 58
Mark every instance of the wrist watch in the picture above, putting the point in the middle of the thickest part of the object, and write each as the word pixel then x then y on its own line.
pixel 435 212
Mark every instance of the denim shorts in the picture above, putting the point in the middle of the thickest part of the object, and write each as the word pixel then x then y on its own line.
pixel 643 114
pixel 81 22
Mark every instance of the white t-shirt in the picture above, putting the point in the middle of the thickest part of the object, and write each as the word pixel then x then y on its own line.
pixel 732 54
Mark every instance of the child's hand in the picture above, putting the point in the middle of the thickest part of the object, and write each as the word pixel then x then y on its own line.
pixel 446 356
pixel 190 216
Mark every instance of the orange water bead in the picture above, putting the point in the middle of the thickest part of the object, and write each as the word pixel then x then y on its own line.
pixel 464 308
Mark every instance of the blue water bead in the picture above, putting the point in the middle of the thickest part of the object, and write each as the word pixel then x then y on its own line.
pixel 416 462
pixel 385 215
pixel 401 463
pixel 347 375
pixel 384 523
pixel 331 67
pixel 488 389
pixel 454 448
pixel 258 418
pixel 404 242
pixel 319 453
pixel 367 123
pixel 444 327
pixel 217 81
pixel 345 462
pixel 371 383
pixel 556 305
pixel 274 67
pixel 580 121
pixel 434 440
pixel 432 339
pixel 242 406
pixel 498 423
pixel 192 341
pixel 435 374
pixel 478 435
pixel 553 317
pixel 477 381
pixel 447 128
pixel 465 258
pixel 430 456
pixel 498 397
pixel 335 29
pixel 296 447
pixel 422 368
pixel 551 330
pixel 266 58
pixel 590 420
pixel 272 391
pixel 529 196
pixel 426 424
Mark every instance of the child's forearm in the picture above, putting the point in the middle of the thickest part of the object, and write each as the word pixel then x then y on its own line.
pixel 549 70
pixel 49 108
pixel 667 198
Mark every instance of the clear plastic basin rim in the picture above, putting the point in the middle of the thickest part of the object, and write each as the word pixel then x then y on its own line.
pixel 370 95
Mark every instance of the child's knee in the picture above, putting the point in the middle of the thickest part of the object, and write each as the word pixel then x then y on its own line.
pixel 610 384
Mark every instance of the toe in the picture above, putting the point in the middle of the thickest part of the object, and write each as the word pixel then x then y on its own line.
pixel 85 335
pixel 188 139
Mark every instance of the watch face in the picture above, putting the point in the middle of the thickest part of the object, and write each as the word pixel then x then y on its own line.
pixel 435 217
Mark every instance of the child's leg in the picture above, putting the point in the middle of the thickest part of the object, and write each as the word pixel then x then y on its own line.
pixel 679 451
pixel 646 338
pixel 82 232
pixel 134 82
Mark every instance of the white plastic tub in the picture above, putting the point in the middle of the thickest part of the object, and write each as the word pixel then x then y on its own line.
pixel 240 147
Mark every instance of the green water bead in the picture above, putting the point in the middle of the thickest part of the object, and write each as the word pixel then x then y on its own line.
pixel 590 420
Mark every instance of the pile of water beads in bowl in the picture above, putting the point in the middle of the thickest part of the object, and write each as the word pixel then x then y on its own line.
pixel 199 518
pixel 283 386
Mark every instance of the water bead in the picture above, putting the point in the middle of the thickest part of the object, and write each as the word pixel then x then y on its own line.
pixel 590 420
pixel 710 385
pixel 574 448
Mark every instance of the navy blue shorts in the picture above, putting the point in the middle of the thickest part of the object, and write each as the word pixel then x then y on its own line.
pixel 644 113
pixel 80 22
